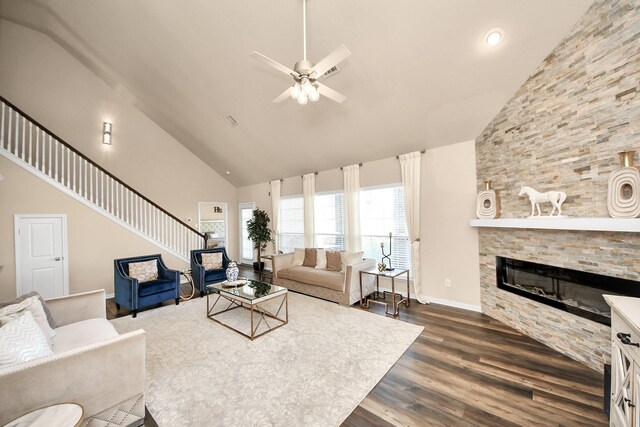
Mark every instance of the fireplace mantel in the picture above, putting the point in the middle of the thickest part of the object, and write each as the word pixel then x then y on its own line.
pixel 625 225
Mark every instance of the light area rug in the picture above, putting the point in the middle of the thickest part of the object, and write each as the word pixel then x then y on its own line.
pixel 313 371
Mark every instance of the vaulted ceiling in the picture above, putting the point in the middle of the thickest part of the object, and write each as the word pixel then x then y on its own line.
pixel 420 74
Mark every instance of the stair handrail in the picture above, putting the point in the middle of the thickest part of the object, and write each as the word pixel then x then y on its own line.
pixel 97 166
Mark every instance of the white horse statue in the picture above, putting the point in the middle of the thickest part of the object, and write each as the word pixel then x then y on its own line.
pixel 556 198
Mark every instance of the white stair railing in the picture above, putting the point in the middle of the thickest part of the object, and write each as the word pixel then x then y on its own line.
pixel 31 146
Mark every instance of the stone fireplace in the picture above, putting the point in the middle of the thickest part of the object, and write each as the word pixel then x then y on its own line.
pixel 612 254
pixel 576 292
pixel 562 130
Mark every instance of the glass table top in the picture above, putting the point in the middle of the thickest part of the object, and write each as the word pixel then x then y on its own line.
pixel 388 273
pixel 250 289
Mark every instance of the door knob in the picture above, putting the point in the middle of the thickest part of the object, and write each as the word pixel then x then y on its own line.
pixel 57 258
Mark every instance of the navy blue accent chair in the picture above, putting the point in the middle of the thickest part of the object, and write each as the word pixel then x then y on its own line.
pixel 201 277
pixel 134 295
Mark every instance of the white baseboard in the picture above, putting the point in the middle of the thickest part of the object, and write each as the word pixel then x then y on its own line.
pixel 440 301
pixel 456 304
pixel 109 296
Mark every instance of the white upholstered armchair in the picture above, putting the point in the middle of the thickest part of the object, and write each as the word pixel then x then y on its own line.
pixel 91 365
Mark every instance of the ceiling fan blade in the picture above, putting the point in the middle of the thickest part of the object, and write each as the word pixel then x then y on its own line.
pixel 330 93
pixel 284 95
pixel 334 58
pixel 274 64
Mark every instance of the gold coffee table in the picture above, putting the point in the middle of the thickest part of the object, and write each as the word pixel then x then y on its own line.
pixel 251 295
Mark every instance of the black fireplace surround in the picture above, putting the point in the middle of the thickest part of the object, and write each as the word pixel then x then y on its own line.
pixel 576 292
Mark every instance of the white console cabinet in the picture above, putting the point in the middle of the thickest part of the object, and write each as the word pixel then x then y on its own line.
pixel 625 361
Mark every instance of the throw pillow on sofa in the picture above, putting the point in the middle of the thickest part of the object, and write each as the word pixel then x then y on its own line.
pixel 144 271
pixel 333 261
pixel 298 257
pixel 22 340
pixel 350 258
pixel 309 258
pixel 32 305
pixel 21 298
pixel 212 261
pixel 321 259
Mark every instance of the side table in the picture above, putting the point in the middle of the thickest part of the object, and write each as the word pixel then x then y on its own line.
pixel 60 415
pixel 186 287
pixel 395 306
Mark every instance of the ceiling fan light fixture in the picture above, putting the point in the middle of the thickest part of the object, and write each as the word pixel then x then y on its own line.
pixel 307 87
pixel 314 96
pixel 303 98
pixel 305 73
pixel 295 90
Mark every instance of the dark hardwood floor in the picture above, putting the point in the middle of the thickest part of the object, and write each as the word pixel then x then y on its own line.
pixel 467 369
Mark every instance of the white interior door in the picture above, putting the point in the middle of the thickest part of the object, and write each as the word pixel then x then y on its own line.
pixel 246 245
pixel 41 249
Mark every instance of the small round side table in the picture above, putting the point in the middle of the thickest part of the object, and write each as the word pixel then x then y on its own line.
pixel 186 288
pixel 59 415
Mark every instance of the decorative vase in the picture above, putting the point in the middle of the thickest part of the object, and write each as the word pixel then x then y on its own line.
pixel 487 207
pixel 232 272
pixel 623 197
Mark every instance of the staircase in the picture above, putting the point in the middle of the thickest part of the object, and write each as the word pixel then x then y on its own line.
pixel 37 150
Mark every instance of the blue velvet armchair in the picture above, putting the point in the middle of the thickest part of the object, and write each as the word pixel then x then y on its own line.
pixel 201 277
pixel 133 295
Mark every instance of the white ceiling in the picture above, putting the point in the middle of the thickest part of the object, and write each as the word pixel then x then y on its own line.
pixel 420 75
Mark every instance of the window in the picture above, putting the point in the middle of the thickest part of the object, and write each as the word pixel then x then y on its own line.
pixel 246 245
pixel 329 221
pixel 382 212
pixel 291 223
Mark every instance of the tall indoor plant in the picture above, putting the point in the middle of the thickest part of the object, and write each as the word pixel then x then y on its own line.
pixel 259 233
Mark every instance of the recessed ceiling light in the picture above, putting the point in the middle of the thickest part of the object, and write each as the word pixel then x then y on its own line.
pixel 494 36
pixel 228 173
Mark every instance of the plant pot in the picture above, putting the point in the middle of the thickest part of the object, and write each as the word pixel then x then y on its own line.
pixel 258 266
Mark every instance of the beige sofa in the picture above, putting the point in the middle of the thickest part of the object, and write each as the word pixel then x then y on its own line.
pixel 343 288
pixel 92 365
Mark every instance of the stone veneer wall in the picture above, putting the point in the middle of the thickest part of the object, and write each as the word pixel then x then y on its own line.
pixel 562 130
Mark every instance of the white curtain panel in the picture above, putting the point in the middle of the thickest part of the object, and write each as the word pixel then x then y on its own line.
pixel 308 195
pixel 352 235
pixel 410 170
pixel 275 211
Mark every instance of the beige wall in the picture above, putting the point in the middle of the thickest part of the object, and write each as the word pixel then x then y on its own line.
pixel 45 81
pixel 93 240
pixel 449 245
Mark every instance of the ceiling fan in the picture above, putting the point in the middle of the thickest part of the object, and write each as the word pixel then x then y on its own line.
pixel 305 74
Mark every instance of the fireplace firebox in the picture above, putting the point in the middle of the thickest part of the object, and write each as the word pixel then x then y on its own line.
pixel 574 291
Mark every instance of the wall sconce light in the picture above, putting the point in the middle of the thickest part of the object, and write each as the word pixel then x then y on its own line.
pixel 106 133
pixel 1 177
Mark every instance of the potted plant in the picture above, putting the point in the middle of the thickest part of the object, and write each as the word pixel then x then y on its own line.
pixel 260 234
